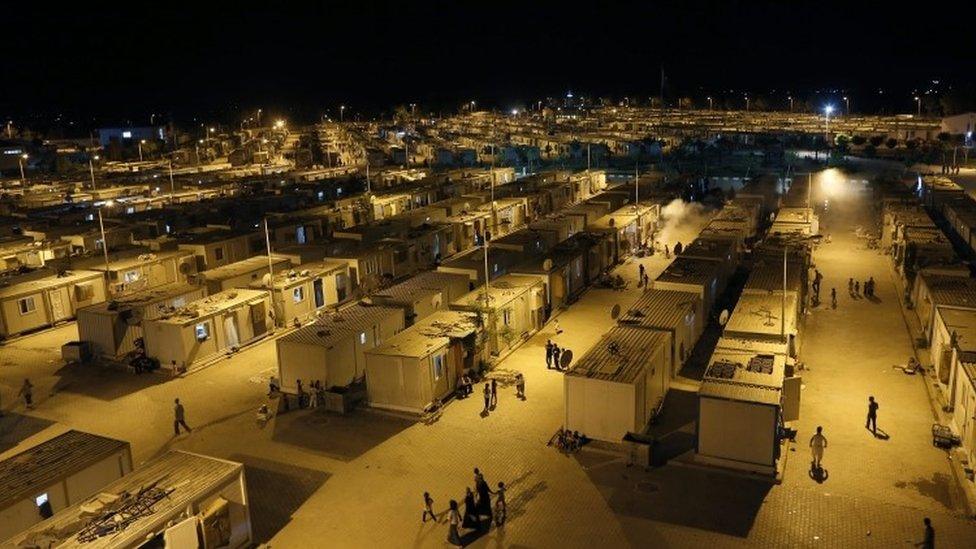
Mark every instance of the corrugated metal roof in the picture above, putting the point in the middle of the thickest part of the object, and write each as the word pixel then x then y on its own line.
pixel 719 249
pixel 687 270
pixel 330 329
pixel 43 465
pixel 660 309
pixel 732 390
pixel 951 290
pixel 767 274
pixel 635 349
pixel 761 314
pixel 144 298
pixel 244 266
pixel 431 333
pixel 31 286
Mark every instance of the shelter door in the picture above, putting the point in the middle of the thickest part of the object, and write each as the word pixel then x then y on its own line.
pixel 319 293
pixel 58 309
pixel 230 331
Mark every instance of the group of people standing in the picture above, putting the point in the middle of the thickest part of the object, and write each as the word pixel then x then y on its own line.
pixel 312 397
pixel 478 512
pixel 854 287
pixel 553 353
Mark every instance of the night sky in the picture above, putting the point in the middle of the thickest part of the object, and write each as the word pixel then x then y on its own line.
pixel 206 60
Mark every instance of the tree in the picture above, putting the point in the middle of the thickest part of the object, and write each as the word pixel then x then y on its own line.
pixel 943 137
pixel 870 150
pixel 891 143
pixel 911 144
pixel 876 140
pixel 859 140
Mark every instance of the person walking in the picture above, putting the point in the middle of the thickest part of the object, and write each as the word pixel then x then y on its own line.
pixel 494 393
pixel 928 542
pixel 470 510
pixel 870 283
pixel 520 385
pixel 818 443
pixel 556 351
pixel 549 347
pixel 640 274
pixel 179 417
pixel 501 508
pixel 487 396
pixel 667 251
pixel 850 286
pixel 313 395
pixel 484 497
pixel 857 287
pixel 454 521
pixel 833 297
pixel 428 508
pixel 301 394
pixel 872 422
pixel 27 391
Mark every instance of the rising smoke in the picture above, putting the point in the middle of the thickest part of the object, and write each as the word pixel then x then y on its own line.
pixel 682 221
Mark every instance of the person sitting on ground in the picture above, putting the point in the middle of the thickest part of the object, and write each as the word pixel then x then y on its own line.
pixel 556 438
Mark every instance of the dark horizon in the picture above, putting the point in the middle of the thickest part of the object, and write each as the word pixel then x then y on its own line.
pixel 214 62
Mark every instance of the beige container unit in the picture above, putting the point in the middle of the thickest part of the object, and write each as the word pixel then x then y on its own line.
pixel 331 349
pixel 423 294
pixel 241 274
pixel 55 475
pixel 112 327
pixel 677 313
pixel 617 385
pixel 700 276
pixel 304 292
pixel 516 305
pixel 148 271
pixel 739 405
pixel 208 327
pixel 38 303
pixel 760 317
pixel 423 363
pixel 205 499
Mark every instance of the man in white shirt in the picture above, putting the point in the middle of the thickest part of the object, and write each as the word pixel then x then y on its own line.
pixel 817 444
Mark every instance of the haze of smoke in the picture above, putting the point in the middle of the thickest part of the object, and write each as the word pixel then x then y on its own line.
pixel 682 221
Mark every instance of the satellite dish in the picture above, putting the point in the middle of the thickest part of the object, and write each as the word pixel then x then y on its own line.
pixel 612 222
pixel 547 265
pixel 565 359
pixel 266 280
pixel 185 268
pixel 615 312
pixel 723 317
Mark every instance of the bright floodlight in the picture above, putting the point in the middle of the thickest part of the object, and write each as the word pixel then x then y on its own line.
pixel 514 112
pixel 829 109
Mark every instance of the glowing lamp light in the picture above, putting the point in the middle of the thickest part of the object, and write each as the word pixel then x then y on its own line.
pixel 514 112
pixel 829 109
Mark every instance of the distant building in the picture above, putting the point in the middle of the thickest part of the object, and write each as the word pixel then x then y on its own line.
pixel 122 135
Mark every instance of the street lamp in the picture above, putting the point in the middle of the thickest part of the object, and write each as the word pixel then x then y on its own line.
pixel 141 143
pixel 91 169
pixel 827 110
pixel 342 110
pixel 101 226
pixel 20 160
pixel 918 101
pixel 709 102
pixel 847 106
pixel 747 102
pixel 790 97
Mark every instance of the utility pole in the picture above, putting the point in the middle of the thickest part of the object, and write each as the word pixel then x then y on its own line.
pixel 782 330
pixel 587 157
pixel 367 176
pixel 267 239
pixel 637 202
pixel 91 169
pixel 101 226
pixel 172 184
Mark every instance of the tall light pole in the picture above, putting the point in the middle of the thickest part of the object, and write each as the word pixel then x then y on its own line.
pixel 342 110
pixel 267 240
pixel 172 185
pixel 637 201
pixel 20 160
pixel 918 102
pixel 101 226
pixel 747 102
pixel 827 110
pixel 847 106
pixel 710 105
pixel 790 97
pixel 91 169
pixel 141 143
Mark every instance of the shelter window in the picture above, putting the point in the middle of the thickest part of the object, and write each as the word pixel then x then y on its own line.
pixel 438 367
pixel 218 254
pixel 202 331
pixel 362 338
pixel 27 305
pixel 130 276
pixel 298 294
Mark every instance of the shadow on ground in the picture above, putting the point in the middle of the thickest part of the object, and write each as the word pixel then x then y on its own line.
pixel 276 490
pixel 339 437
pixel 940 488
pixel 103 383
pixel 16 427
pixel 674 429
pixel 683 496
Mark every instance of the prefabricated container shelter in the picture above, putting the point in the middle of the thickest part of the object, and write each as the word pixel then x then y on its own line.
pixel 179 499
pixel 739 411
pixel 40 302
pixel 422 364
pixel 331 349
pixel 760 317
pixel 677 313
pixel 147 271
pixel 207 327
pixel 616 386
pixel 241 274
pixel 700 276
pixel 722 250
pixel 515 311
pixel 423 294
pixel 931 290
pixel 302 292
pixel 112 327
pixel 55 474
